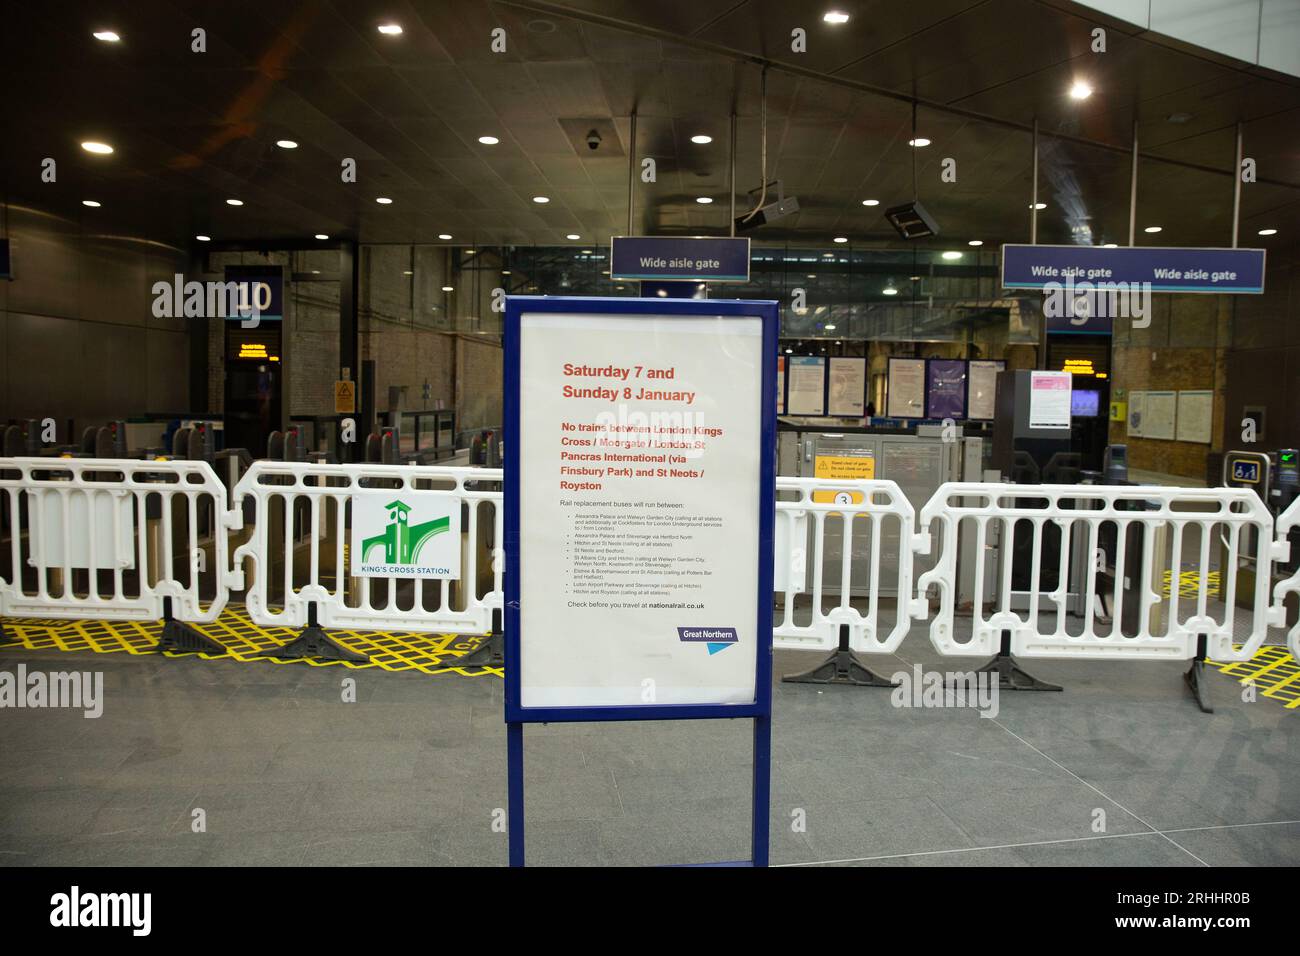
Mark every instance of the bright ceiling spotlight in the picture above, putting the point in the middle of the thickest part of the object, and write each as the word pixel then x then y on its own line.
pixel 703 200
pixel 203 238
pixel 841 239
pixel 975 242
pixel 1268 232
pixel 871 202
pixel 1038 205
pixel 383 200
pixel 321 236
pixel 286 144
pixel 835 17
pixel 99 149
pixel 541 199
pixel 1080 90
pixel 488 140
pixel 573 235
pixel 444 236
pixel 700 139
pixel 106 36
pixel 1110 245
pixel 91 203
pixel 918 142
pixel 234 202
pixel 889 290
pixel 1152 229
pixel 448 288
pixel 952 255
pixel 390 29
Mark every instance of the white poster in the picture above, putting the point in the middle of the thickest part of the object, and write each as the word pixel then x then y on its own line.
pixel 780 384
pixel 848 388
pixel 982 388
pixel 1049 399
pixel 639 461
pixel 807 385
pixel 906 388
pixel 1196 416
pixel 1161 415
pixel 1137 413
pixel 404 532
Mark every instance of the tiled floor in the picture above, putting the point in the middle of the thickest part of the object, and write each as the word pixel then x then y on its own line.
pixel 1121 768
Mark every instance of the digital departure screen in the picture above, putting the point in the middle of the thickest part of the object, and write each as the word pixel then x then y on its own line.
pixel 1085 403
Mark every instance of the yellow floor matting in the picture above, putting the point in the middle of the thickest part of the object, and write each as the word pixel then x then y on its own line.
pixel 1272 670
pixel 246 641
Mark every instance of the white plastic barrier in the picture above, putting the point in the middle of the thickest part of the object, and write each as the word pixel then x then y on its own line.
pixel 113 539
pixel 862 507
pixel 301 509
pixel 1288 520
pixel 1202 518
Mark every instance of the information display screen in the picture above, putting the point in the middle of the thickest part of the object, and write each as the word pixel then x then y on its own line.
pixel 1085 403
pixel 638 468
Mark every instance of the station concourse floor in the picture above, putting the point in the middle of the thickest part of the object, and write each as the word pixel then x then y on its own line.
pixel 411 773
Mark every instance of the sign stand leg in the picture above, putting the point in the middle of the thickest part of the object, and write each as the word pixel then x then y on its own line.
pixel 762 790
pixel 515 791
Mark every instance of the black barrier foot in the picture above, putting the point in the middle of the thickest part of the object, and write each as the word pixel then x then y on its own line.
pixel 1011 676
pixel 314 642
pixel 1195 678
pixel 491 653
pixel 182 639
pixel 841 667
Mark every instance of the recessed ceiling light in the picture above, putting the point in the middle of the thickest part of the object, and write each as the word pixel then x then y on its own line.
pixel 836 17
pixel 315 272
pixel 887 290
pixel 94 205
pixel 448 288
pixel 701 139
pixel 915 278
pixel 383 200
pixel 107 36
pixel 811 276
pixel 829 328
pixel 100 149
pixel 703 200
pixel 407 272
pixel 488 140
pixel 1080 90
pixel 573 235
pixel 871 202
pixel 1038 205
pixel 390 29
pixel 828 255
pixel 841 239
pixel 321 236
pixel 952 255
pixel 203 238
pixel 586 252
pixel 234 202
pixel 975 242
pixel 541 199
pixel 1152 229
pixel 918 142
pixel 444 236
pixel 1110 245
pixel 789 351
pixel 1268 232
pixel 286 144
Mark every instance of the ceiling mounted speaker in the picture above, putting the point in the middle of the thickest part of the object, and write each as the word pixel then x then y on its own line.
pixel 911 221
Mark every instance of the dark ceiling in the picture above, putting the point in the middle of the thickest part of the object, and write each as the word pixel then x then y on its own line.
pixel 193 129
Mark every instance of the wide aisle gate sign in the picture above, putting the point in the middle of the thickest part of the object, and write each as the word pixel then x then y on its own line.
pixel 639 511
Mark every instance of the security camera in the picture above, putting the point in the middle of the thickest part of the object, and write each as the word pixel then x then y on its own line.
pixel 593 140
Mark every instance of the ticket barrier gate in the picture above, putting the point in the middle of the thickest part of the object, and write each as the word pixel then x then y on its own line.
pixel 1275 477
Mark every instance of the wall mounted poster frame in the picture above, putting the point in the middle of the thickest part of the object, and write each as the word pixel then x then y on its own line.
pixel 1196 416
pixel 583 642
pixel 846 388
pixel 981 391
pixel 906 398
pixel 945 388
pixel 1161 418
pixel 805 385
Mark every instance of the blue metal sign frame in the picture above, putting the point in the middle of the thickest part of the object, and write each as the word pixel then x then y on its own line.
pixel 760 710
pixel 731 264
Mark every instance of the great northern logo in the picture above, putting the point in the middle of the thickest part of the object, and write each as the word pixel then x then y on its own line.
pixel 715 638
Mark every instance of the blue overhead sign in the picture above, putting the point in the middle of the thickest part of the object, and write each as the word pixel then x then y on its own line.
pixel 1162 269
pixel 700 258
